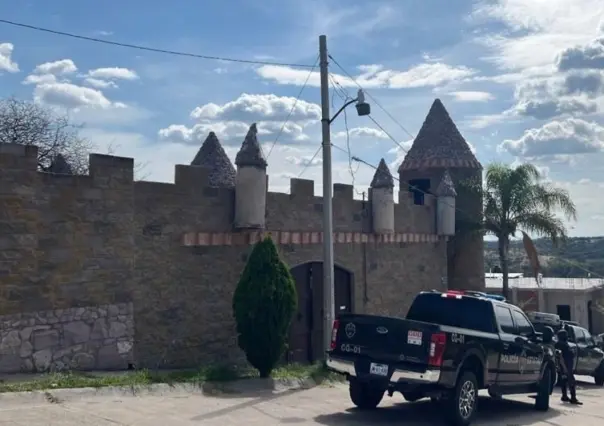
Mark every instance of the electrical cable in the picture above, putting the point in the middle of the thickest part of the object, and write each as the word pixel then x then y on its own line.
pixel 291 111
pixel 347 74
pixel 307 165
pixel 151 49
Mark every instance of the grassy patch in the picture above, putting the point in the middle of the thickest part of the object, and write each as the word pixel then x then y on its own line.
pixel 145 377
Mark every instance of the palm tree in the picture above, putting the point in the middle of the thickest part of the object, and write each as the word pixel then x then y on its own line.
pixel 518 200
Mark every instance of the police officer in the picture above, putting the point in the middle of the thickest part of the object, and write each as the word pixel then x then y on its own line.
pixel 568 379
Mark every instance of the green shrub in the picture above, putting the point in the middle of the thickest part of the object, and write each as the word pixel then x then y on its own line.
pixel 263 304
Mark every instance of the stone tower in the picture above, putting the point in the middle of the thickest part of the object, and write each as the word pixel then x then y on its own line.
pixel 382 200
pixel 221 173
pixel 251 183
pixel 439 147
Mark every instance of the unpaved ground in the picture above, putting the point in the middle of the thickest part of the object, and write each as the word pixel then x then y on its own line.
pixel 327 406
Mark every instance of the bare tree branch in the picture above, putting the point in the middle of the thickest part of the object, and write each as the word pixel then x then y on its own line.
pixel 28 123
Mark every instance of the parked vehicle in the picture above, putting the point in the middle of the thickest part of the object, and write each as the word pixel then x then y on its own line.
pixel 589 358
pixel 448 347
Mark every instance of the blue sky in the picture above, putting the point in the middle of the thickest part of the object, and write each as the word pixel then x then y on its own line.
pixel 524 80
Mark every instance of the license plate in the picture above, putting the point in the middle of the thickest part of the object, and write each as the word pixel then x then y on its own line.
pixel 378 369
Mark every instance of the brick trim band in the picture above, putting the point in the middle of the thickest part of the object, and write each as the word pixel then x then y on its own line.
pixel 192 239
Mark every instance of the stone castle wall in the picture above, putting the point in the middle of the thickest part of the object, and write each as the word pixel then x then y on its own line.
pixel 170 253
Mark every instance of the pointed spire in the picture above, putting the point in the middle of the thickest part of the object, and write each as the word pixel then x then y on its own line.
pixel 250 153
pixel 59 165
pixel 439 144
pixel 212 155
pixel 382 177
pixel 446 188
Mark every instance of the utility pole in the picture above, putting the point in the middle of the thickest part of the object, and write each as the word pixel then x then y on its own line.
pixel 328 265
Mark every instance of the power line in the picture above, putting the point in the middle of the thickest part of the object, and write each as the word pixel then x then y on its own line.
pixel 150 49
pixel 310 161
pixel 291 111
pixel 371 97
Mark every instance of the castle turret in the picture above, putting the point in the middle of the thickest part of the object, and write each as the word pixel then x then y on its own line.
pixel 251 183
pixel 382 200
pixel 221 173
pixel 445 206
pixel 438 147
pixel 59 165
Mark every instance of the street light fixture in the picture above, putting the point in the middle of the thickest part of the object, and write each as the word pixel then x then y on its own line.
pixel 363 109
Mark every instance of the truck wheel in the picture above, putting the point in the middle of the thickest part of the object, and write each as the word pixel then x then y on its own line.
pixel 543 391
pixel 461 405
pixel 599 376
pixel 364 395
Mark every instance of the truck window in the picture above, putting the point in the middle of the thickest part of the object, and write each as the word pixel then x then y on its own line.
pixel 579 336
pixel 504 318
pixel 468 312
pixel 523 325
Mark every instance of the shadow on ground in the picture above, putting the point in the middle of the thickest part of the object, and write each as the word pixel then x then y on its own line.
pixel 423 413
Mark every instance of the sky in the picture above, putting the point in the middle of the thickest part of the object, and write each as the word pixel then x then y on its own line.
pixel 523 80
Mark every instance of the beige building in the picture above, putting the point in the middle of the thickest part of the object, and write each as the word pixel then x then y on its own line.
pixel 574 299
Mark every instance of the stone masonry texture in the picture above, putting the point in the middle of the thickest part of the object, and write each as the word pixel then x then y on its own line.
pixel 86 338
pixel 73 246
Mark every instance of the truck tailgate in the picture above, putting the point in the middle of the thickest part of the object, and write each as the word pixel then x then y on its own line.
pixel 385 339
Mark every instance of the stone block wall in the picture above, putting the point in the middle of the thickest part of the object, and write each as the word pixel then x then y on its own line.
pixel 84 338
pixel 84 242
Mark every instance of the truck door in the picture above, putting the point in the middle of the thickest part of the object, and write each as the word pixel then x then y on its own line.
pixel 583 361
pixel 531 355
pixel 509 350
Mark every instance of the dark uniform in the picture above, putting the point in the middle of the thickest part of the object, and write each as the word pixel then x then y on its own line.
pixel 567 379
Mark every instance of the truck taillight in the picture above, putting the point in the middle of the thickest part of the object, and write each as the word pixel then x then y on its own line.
pixel 438 342
pixel 334 334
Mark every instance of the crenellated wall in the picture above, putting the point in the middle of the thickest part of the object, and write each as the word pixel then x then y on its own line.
pixel 172 250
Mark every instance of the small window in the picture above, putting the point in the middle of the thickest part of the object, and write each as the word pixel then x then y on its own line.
pixel 504 318
pixel 419 188
pixel 523 325
pixel 587 335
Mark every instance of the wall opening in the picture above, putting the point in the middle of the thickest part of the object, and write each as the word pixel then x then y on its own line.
pixel 306 332
pixel 419 188
pixel 564 312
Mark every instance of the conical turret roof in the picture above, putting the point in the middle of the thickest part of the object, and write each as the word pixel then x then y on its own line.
pixel 439 144
pixel 212 156
pixel 250 153
pixel 382 177
pixel 60 165
pixel 446 188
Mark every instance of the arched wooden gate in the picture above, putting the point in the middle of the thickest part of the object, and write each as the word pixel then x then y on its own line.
pixel 306 333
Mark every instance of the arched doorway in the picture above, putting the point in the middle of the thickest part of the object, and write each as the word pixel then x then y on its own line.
pixel 306 333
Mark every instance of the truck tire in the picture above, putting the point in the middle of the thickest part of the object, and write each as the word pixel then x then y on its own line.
pixel 365 395
pixel 599 376
pixel 462 402
pixel 543 390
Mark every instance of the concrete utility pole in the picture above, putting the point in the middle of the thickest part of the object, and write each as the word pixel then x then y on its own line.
pixel 328 265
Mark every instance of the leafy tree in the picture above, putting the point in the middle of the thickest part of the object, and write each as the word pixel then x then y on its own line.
pixel 518 200
pixel 263 304
pixel 57 139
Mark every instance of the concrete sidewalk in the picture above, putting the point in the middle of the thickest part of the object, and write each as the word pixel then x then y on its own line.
pixel 329 406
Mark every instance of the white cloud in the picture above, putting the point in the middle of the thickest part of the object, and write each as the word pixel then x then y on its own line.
pixel 362 132
pixel 113 73
pixel 6 62
pixel 230 121
pixel 471 96
pixel 373 76
pixel 537 31
pixel 100 84
pixel 71 96
pixel 557 138
pixel 250 107
pixel 39 79
pixel 63 66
